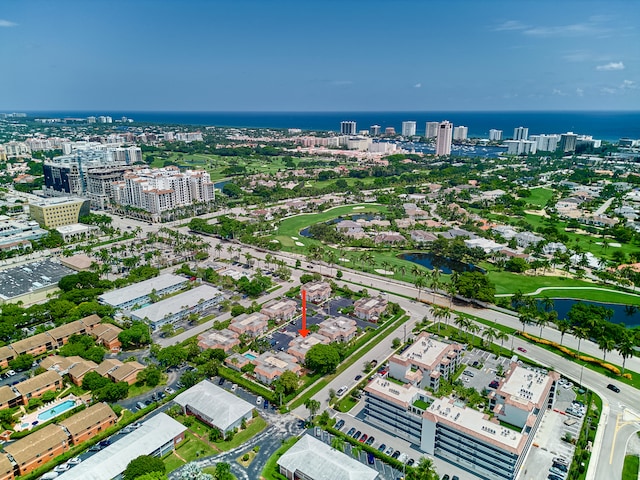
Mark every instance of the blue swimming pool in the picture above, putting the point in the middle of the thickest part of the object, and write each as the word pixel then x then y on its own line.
pixel 249 356
pixel 56 410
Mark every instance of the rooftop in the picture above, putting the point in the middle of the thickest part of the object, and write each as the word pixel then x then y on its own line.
pixel 222 407
pixel 113 460
pixel 29 277
pixel 36 443
pixel 317 460
pixel 526 385
pixel 85 419
pixel 426 351
pixel 399 394
pixel 475 423
pixel 177 303
pixel 141 289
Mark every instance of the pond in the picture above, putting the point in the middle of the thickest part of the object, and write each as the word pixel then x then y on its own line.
pixel 220 185
pixel 359 216
pixel 627 314
pixel 445 265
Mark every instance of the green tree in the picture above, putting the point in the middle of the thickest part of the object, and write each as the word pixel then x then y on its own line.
pixel 223 471
pixel 143 465
pixel 475 285
pixel 424 470
pixel 625 348
pixel 322 358
pixel 313 406
pixel 289 381
pixel 172 356
pixel 21 362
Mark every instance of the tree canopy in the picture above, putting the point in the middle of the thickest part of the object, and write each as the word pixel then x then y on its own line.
pixel 322 358
pixel 143 465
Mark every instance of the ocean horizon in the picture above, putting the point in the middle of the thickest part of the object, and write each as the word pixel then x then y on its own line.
pixel 603 125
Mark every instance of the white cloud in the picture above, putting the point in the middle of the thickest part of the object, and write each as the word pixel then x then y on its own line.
pixel 510 25
pixel 609 90
pixel 417 85
pixel 573 30
pixel 579 92
pixel 7 23
pixel 558 92
pixel 340 83
pixel 628 85
pixel 611 66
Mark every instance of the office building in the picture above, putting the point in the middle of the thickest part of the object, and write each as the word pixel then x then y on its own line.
pixel 443 139
pixel 495 135
pixel 374 130
pixel 521 133
pixel 568 142
pixel 56 212
pixel 408 129
pixel 431 130
pixel 348 128
pixel 460 133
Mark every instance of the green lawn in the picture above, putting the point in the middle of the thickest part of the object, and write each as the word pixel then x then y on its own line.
pixel 254 427
pixel 270 471
pixel 630 468
pixel 191 448
pixel 539 196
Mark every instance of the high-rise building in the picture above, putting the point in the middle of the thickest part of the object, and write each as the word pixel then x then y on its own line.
pixel 408 129
pixel 374 130
pixel 568 142
pixel 348 128
pixel 443 139
pixel 521 133
pixel 546 143
pixel 460 133
pixel 431 130
pixel 520 147
pixel 389 131
pixel 495 135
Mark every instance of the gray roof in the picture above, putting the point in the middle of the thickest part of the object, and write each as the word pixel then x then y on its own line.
pixel 319 461
pixel 140 289
pixel 175 304
pixel 113 460
pixel 222 407
pixel 30 277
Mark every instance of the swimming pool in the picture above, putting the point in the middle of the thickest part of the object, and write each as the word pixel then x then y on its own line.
pixel 56 410
pixel 249 356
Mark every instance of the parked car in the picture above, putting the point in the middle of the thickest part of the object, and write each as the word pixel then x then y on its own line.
pixel 396 454
pixel 469 373
pixel 140 405
pixel 351 431
pixel 63 467
pixel 475 364
pixel 11 373
pixel 356 435
pixel 557 471
pixel 553 476
pixel 371 459
pixel 455 477
pixel 339 425
pixel 358 377
pixel 389 451
pixel 382 448
pixel 74 461
pixel 363 438
pixel 234 387
pixel 613 388
pixel 560 466
pixel 221 381
pixel 559 460
pixel 169 390
pixel 494 384
pixel 259 401
pixel 370 441
pixel 521 349
pixel 265 405
pixel 411 462
pixel 445 476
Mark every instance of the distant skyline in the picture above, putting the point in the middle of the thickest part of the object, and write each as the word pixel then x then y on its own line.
pixel 331 55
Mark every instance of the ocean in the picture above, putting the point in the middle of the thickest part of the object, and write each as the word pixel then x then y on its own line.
pixel 609 126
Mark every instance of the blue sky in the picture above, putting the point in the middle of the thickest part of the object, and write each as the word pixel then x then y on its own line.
pixel 308 55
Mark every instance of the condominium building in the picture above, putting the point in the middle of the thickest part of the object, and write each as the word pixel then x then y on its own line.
pixel 425 362
pixel 568 142
pixel 443 139
pixel 521 147
pixel 56 212
pixel 270 366
pixel 317 291
pixel 545 143
pixel 348 128
pixel 141 293
pixel 283 309
pixel 374 130
pixel 431 129
pixel 252 324
pixel 408 128
pixel 340 329
pixel 370 308
pixel 160 189
pixel 460 133
pixel 495 135
pixel 521 133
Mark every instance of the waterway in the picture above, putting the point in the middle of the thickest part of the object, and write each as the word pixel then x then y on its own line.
pixel 445 265
pixel 622 314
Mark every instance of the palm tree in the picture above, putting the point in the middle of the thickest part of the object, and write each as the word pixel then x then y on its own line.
pixel 502 336
pixel 473 329
pixel 542 322
pixel 626 348
pixel 451 290
pixel 525 319
pixel 435 282
pixel 606 344
pixel 580 333
pixel 489 334
pixel 563 327
pixel 218 249
pixel 313 406
pixel 547 304
pixel 424 470
pixel 437 312
pixel 338 444
pixel 419 283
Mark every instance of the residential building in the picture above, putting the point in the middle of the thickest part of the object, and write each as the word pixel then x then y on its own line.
pixel 546 143
pixel 460 133
pixel 106 334
pixel 527 239
pixel 141 293
pixel 117 371
pixel 9 398
pixel 156 190
pixel 520 147
pixel 568 142
pixel 173 309
pixel 270 366
pixel 299 346
pixel 422 236
pixel 374 130
pixel 280 309
pixel 521 133
pixel 317 291
pixel 215 406
pixel 56 212
pixel 425 362
pixel 89 422
pixel 6 468
pixel 75 367
pixel 389 238
pixel 251 324
pixel 495 135
pixel 431 129
pixel 78 370
pixel 339 329
pixel 37 448
pixel 370 308
pixel 157 437
pixel 224 339
pixel 236 361
pixel 408 129
pixel 348 128
pixel 443 139
pixel 311 459
pixel 34 345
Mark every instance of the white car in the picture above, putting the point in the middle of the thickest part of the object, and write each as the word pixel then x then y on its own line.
pixel 63 467
pixel 11 373
pixel 341 390
pixel 259 401
pixel 74 461
pixel 169 390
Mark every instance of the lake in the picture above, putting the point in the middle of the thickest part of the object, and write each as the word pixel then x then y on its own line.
pixel 445 265
pixel 626 314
